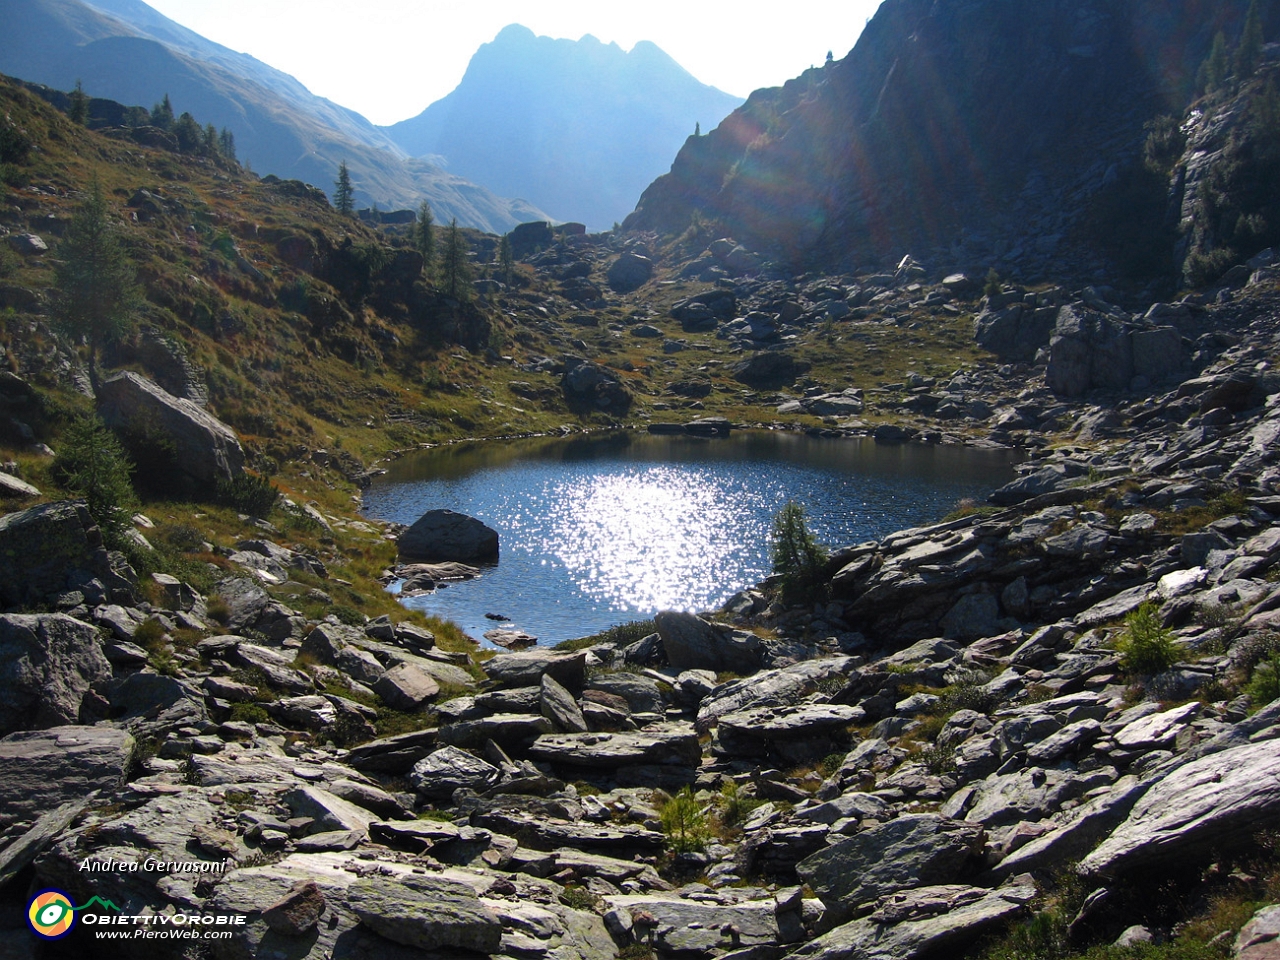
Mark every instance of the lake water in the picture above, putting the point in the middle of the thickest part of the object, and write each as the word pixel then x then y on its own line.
pixel 600 530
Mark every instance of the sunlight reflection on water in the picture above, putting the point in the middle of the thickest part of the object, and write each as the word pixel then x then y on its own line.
pixel 603 530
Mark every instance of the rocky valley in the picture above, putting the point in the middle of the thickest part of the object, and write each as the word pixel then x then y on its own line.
pixel 1046 726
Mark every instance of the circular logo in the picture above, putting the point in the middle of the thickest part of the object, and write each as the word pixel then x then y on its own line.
pixel 50 914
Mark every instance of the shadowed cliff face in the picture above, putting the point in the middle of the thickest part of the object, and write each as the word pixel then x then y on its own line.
pixel 957 125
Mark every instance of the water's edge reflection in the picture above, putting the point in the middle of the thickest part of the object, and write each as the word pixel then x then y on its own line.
pixel 603 529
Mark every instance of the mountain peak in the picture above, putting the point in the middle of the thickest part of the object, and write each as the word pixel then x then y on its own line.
pixel 578 128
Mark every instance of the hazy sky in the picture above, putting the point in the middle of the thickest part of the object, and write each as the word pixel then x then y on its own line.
pixel 389 59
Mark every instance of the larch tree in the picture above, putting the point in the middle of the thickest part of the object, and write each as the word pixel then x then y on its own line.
pixel 454 268
pixel 344 200
pixel 95 290
pixel 424 239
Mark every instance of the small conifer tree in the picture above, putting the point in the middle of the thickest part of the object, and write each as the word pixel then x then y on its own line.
pixel 344 200
pixel 1251 41
pixel 78 111
pixel 95 294
pixel 424 238
pixel 162 114
pixel 506 263
pixel 454 268
pixel 1213 71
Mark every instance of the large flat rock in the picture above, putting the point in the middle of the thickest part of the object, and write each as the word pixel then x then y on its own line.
pixel 1214 803
pixel 42 769
pixel 673 744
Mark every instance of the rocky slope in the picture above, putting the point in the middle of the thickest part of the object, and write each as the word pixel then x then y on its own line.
pixel 577 128
pixel 928 139
pixel 963 718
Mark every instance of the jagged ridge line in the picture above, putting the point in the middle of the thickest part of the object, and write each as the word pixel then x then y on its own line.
pixel 105 904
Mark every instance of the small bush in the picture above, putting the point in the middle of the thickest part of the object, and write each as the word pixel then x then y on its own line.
pixel 684 822
pixel 1264 685
pixel 218 609
pixel 149 634
pixel 735 806
pixel 1146 646
pixel 249 713
pixel 349 615
pixel 249 494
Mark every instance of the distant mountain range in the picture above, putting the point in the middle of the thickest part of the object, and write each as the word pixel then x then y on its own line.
pixel 124 50
pixel 577 128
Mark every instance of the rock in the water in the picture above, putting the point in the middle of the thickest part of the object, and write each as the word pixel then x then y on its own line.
pixel 426 912
pixel 442 535
pixel 911 851
pixel 1214 803
pixel 47 663
pixel 694 643
pixel 204 448
pixel 46 768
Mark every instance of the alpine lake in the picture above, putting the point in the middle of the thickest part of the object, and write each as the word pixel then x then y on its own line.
pixel 604 529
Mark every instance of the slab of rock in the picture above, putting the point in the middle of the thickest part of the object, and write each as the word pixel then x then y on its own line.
pixel 673 744
pixel 526 669
pixel 405 687
pixel 929 921
pixel 47 664
pixel 697 927
pixel 425 912
pixel 14 489
pixel 442 535
pixel 1031 794
pixel 204 448
pixel 508 730
pixel 448 769
pixel 558 706
pixel 330 812
pixel 27 847
pixel 692 643
pixel 1214 803
pixel 393 754
pixel 911 851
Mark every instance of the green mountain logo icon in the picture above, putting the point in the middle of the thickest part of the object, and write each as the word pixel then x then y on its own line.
pixel 104 904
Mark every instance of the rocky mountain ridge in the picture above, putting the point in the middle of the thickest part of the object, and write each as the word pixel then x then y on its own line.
pixel 926 139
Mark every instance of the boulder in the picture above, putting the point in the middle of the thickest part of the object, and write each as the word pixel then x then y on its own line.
pixel 1014 333
pixel 911 851
pixel 587 384
pixel 1088 351
pixel 768 369
pixel 705 926
pixel 425 912
pixel 693 643
pixel 442 535
pixel 46 768
pixel 629 271
pixel 437 776
pixel 1259 939
pixel 1213 804
pixel 41 546
pixel 297 912
pixel 405 687
pixel 527 668
pixel 202 447
pixel 47 664
pixel 558 706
